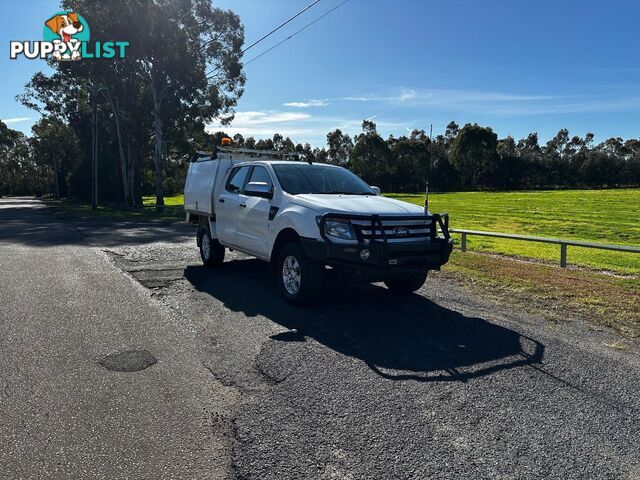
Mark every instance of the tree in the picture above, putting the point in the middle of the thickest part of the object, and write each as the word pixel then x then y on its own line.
pixel 189 54
pixel 238 140
pixel 474 155
pixel 20 172
pixel 371 156
pixel 451 133
pixel 182 70
pixel 411 162
pixel 340 148
pixel 368 127
pixel 57 144
pixel 511 167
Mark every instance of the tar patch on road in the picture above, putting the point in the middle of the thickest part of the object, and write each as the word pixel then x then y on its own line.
pixel 128 361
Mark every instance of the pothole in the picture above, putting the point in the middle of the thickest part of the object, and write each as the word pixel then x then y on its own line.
pixel 128 361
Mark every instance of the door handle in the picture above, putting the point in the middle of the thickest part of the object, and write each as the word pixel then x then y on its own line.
pixel 221 200
pixel 243 205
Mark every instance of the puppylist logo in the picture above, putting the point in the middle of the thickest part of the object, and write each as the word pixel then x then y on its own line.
pixel 66 38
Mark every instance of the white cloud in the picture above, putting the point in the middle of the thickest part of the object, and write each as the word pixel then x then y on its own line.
pixel 266 117
pixel 266 123
pixel 307 104
pixel 500 103
pixel 399 96
pixel 9 121
pixel 444 97
pixel 301 127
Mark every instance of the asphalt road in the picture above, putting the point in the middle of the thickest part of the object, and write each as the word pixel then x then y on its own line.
pixel 366 385
pixel 65 307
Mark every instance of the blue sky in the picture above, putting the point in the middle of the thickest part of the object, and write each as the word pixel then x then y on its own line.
pixel 515 66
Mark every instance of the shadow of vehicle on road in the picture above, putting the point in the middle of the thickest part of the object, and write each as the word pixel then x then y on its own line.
pixel 399 338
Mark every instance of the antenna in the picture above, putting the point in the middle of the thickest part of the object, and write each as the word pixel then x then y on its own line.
pixel 426 191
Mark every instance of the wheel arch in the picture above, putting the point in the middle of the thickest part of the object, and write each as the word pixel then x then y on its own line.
pixel 286 235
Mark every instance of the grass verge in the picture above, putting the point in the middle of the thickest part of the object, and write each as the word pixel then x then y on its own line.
pixel 145 213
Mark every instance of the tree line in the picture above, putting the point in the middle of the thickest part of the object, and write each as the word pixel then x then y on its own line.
pixel 470 158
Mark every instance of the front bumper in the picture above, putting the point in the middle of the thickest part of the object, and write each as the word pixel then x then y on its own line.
pixel 386 257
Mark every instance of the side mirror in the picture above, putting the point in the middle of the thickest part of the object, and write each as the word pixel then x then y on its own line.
pixel 377 190
pixel 258 189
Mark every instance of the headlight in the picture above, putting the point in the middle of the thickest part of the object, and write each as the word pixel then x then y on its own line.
pixel 339 229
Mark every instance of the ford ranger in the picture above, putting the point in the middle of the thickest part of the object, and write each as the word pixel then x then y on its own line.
pixel 308 219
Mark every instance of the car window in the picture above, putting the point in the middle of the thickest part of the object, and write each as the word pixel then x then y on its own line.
pixel 236 180
pixel 260 174
pixel 303 178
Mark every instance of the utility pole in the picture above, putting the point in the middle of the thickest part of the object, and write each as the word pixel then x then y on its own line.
pixel 95 161
pixel 94 149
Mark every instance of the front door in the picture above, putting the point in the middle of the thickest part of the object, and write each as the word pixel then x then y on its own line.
pixel 227 209
pixel 253 217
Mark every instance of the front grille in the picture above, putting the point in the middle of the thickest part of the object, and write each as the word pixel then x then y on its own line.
pixel 396 229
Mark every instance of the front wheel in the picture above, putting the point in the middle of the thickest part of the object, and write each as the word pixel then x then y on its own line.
pixel 211 250
pixel 407 283
pixel 299 278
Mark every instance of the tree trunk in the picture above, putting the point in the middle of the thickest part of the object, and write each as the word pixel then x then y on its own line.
pixel 157 121
pixel 131 162
pixel 124 168
pixel 123 164
pixel 55 177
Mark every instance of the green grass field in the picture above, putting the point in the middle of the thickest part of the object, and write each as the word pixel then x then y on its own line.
pixel 604 216
pixel 173 201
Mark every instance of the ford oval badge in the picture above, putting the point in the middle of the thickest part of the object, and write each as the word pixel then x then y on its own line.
pixel 401 231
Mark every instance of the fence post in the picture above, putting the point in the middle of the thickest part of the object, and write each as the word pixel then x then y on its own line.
pixel 563 255
pixel 463 242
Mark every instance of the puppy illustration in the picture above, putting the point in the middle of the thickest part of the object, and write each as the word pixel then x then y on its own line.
pixel 66 26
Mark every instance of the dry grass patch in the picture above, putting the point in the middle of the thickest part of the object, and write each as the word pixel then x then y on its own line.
pixel 556 293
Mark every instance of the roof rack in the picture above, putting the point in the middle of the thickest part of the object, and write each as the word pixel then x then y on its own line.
pixel 256 153
pixel 246 152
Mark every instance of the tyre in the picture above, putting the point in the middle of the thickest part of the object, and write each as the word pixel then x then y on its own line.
pixel 407 283
pixel 299 278
pixel 211 251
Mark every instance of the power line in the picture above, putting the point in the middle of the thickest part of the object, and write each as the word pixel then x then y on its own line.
pixel 296 33
pixel 271 32
pixel 281 25
pixel 213 72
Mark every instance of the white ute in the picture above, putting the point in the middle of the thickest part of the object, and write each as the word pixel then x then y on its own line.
pixel 309 220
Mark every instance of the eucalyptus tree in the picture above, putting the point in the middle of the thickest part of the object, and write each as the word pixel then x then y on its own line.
pixel 182 69
pixel 340 147
pixel 372 157
pixel 189 54
pixel 54 141
pixel 474 154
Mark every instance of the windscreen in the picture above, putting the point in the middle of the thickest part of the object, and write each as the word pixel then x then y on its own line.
pixel 305 178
